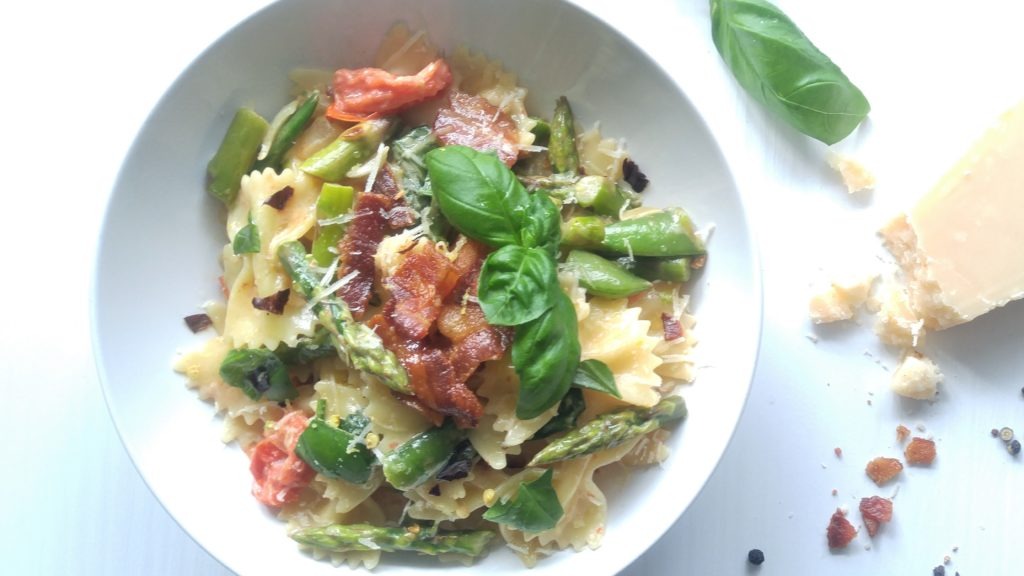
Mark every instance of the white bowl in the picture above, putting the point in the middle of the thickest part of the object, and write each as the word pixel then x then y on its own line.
pixel 157 257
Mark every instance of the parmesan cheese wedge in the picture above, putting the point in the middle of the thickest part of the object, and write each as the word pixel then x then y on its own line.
pixel 960 245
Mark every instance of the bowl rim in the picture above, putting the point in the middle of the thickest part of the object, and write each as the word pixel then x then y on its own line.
pixel 729 160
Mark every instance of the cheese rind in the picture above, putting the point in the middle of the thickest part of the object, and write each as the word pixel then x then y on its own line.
pixel 960 245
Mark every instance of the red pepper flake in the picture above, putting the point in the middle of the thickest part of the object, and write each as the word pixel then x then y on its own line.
pixel 875 510
pixel 278 200
pixel 902 433
pixel 273 304
pixel 838 452
pixel 631 173
pixel 223 287
pixel 673 330
pixel 198 322
pixel 920 452
pixel 840 532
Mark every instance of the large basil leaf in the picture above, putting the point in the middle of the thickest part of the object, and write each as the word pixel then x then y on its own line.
pixel 517 285
pixel 545 354
pixel 780 67
pixel 596 375
pixel 569 410
pixel 259 373
pixel 478 194
pixel 534 508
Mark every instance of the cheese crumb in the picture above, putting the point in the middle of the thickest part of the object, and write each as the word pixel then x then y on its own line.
pixel 916 377
pixel 856 177
pixel 896 324
pixel 840 299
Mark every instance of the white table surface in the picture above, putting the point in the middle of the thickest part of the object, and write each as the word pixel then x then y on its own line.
pixel 80 78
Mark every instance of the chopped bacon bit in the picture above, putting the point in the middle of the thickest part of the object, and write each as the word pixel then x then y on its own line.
pixel 920 452
pixel 198 322
pixel 278 474
pixel 673 329
pixel 358 248
pixel 418 286
pixel 371 92
pixel 881 469
pixel 875 510
pixel 400 215
pixel 902 433
pixel 472 121
pixel 840 532
pixel 274 304
pixel 278 200
pixel 631 173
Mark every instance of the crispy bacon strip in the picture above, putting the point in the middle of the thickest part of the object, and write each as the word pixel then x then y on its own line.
pixel 418 286
pixel 358 247
pixel 472 121
pixel 400 215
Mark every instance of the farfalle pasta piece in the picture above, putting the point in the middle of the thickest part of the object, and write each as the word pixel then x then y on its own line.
pixel 677 354
pixel 478 75
pixel 389 418
pixel 614 334
pixel 601 156
pixel 455 499
pixel 247 327
pixel 500 433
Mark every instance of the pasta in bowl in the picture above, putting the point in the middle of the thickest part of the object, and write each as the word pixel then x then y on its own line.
pixel 450 314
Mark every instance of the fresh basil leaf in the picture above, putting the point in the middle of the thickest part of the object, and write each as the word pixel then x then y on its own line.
pixel 534 508
pixel 259 373
pixel 247 240
pixel 569 410
pixel 517 285
pixel 545 355
pixel 596 375
pixel 307 349
pixel 779 66
pixel 478 194
pixel 542 227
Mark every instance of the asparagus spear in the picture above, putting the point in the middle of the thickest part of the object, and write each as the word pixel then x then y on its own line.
pixel 345 538
pixel 353 146
pixel 235 155
pixel 421 457
pixel 356 342
pixel 334 201
pixel 602 277
pixel 289 132
pixel 562 142
pixel 597 193
pixel 583 232
pixel 665 269
pixel 667 233
pixel 610 430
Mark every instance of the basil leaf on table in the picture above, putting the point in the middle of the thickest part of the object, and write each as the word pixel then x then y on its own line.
pixel 534 508
pixel 478 194
pixel 517 285
pixel 259 373
pixel 545 355
pixel 596 375
pixel 779 66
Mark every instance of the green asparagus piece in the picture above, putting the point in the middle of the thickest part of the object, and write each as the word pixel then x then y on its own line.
pixel 667 233
pixel 562 143
pixel 236 154
pixel 600 195
pixel 585 232
pixel 654 269
pixel 356 342
pixel 353 146
pixel 334 452
pixel 602 277
pixel 334 201
pixel 610 430
pixel 541 132
pixel 289 132
pixel 421 457
pixel 358 537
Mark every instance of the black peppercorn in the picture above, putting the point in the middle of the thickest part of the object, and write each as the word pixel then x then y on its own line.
pixel 1014 447
pixel 939 571
pixel 755 557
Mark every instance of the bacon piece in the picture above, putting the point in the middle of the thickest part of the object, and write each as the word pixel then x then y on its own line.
pixel 485 344
pixel 278 474
pixel 920 452
pixel 371 92
pixel 472 121
pixel 359 246
pixel 418 286
pixel 673 329
pixel 840 532
pixel 882 469
pixel 400 215
pixel 875 510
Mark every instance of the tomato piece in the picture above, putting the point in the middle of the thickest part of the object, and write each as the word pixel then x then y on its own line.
pixel 278 474
pixel 472 121
pixel 366 93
